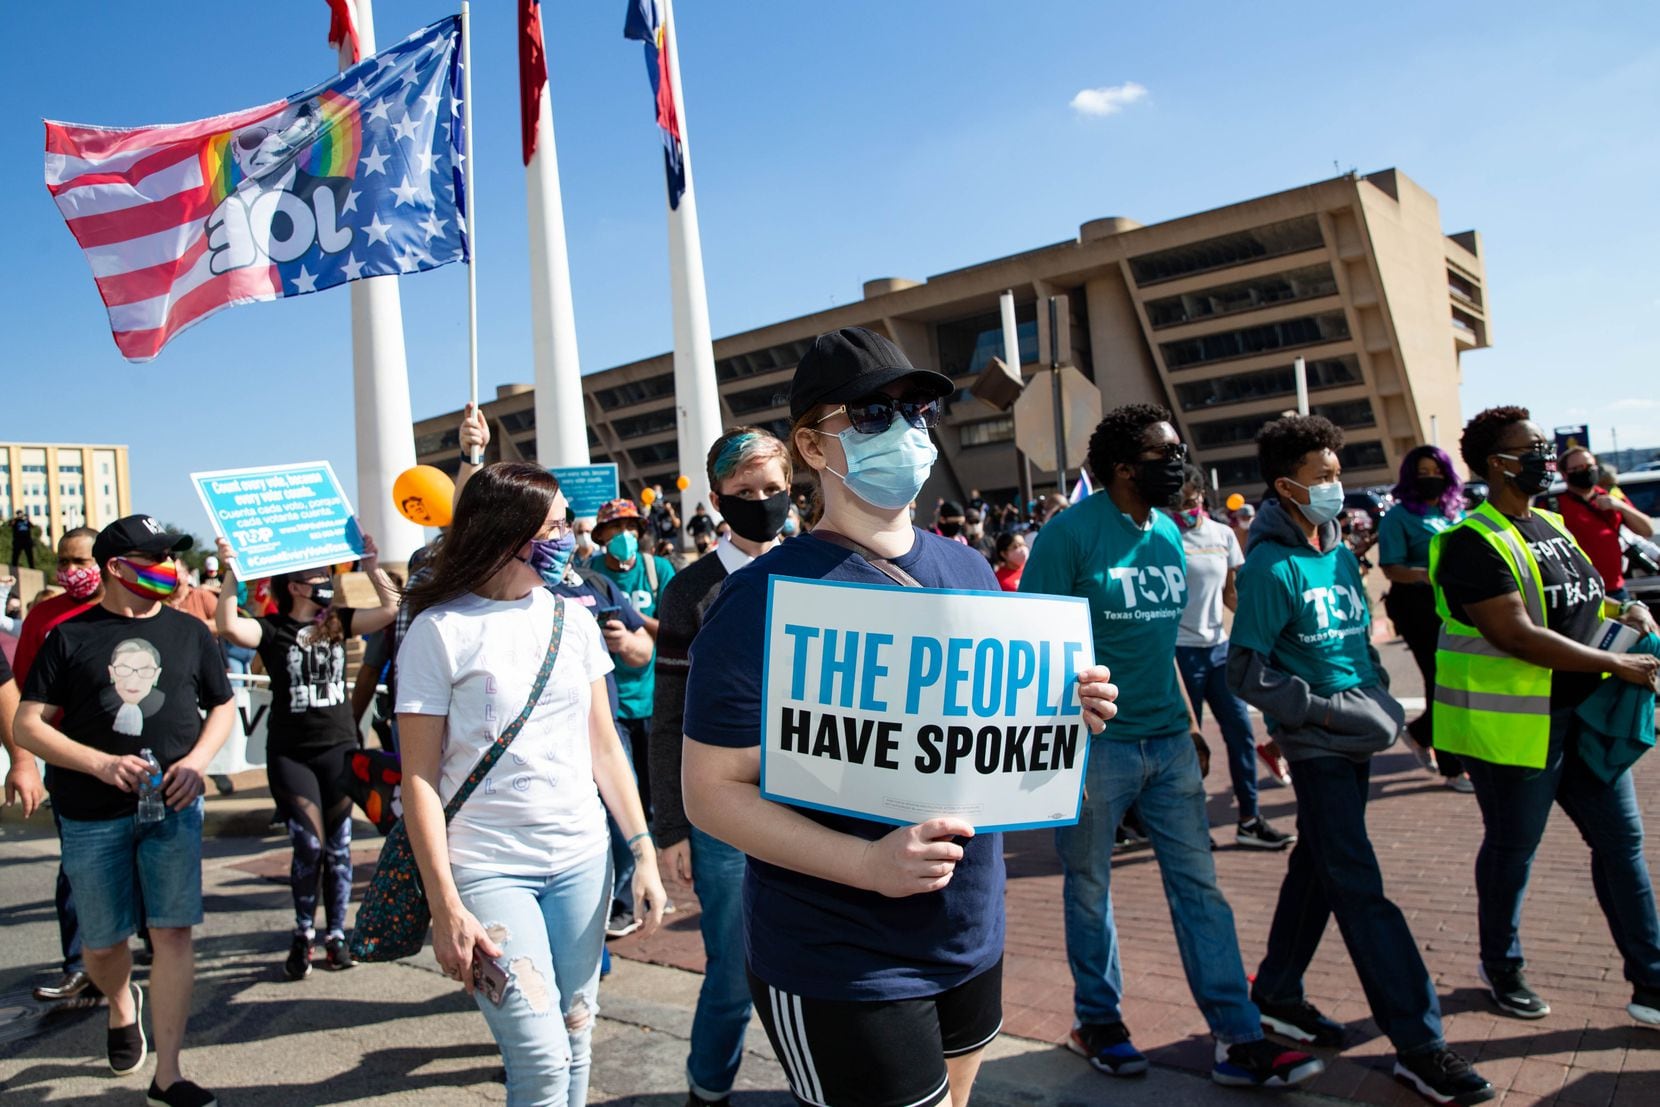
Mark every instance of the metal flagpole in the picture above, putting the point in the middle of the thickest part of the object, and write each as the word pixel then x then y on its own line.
pixel 472 203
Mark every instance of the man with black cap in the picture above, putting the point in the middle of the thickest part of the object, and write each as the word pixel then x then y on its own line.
pixel 874 952
pixel 133 676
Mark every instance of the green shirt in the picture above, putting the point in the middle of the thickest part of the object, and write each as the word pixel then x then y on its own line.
pixel 635 687
pixel 1135 579
pixel 1403 536
pixel 1307 612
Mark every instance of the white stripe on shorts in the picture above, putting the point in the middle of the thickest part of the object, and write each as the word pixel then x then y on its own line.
pixel 792 1033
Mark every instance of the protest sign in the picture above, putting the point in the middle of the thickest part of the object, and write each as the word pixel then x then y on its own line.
pixel 587 487
pixel 903 704
pixel 281 518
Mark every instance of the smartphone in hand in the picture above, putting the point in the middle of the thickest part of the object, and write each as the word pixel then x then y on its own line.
pixel 489 977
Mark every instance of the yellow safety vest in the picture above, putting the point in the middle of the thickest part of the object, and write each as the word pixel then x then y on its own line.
pixel 1488 703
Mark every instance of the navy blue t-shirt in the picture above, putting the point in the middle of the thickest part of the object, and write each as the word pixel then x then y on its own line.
pixel 597 592
pixel 815 937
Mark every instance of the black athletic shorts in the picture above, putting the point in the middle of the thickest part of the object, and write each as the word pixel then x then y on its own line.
pixel 885 1053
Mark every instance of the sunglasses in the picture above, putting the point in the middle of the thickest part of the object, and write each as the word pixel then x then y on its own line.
pixel 1170 451
pixel 875 414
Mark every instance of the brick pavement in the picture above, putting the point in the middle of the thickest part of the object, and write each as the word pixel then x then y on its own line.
pixel 1587 1052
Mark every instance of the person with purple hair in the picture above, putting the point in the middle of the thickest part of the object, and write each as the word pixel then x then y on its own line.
pixel 1429 498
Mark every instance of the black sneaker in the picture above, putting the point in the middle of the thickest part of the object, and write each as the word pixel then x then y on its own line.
pixel 621 923
pixel 126 1045
pixel 181 1093
pixel 695 1100
pixel 1442 1076
pixel 1303 1022
pixel 1107 1046
pixel 298 965
pixel 1263 1064
pixel 1509 990
pixel 1645 1006
pixel 1257 834
pixel 338 955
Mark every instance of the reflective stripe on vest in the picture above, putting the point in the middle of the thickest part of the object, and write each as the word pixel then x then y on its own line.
pixel 1491 701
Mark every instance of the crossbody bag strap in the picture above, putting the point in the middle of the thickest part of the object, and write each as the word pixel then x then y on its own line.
pixel 505 739
pixel 877 562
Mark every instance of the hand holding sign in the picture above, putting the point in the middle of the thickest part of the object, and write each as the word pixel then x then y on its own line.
pixel 1097 694
pixel 916 859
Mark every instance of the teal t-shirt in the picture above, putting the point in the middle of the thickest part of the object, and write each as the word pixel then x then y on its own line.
pixel 1307 612
pixel 635 687
pixel 1404 536
pixel 1135 579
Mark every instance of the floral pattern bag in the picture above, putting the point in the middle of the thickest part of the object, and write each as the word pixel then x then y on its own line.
pixel 394 918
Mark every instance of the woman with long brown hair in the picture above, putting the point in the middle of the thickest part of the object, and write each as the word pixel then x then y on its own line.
pixel 520 879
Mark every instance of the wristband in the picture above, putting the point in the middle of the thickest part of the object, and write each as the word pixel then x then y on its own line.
pixel 637 837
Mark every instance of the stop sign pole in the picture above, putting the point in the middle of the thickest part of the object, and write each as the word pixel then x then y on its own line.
pixel 1058 311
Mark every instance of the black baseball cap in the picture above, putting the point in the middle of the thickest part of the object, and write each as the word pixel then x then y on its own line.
pixel 138 534
pixel 853 362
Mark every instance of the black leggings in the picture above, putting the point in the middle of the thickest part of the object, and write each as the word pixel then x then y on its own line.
pixel 1411 607
pixel 310 790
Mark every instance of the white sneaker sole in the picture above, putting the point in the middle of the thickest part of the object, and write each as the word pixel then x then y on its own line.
pixel 1252 842
pixel 1648 1016
pixel 1406 1076
pixel 1287 1030
pixel 143 1042
pixel 1481 971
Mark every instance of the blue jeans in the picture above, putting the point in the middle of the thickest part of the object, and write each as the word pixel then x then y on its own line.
pixel 1204 671
pixel 622 858
pixel 1333 871
pixel 723 1002
pixel 1161 777
pixel 110 862
pixel 551 930
pixel 1515 805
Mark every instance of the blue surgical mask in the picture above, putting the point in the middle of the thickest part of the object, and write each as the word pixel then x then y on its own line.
pixel 549 556
pixel 1325 501
pixel 887 470
pixel 624 546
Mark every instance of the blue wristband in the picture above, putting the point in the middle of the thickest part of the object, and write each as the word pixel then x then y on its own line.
pixel 637 837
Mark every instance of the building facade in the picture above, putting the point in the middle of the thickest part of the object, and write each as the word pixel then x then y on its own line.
pixel 1203 314
pixel 64 487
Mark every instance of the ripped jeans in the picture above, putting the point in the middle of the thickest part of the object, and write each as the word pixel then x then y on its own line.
pixel 551 930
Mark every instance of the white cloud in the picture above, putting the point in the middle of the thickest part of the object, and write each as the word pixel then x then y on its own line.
pixel 1633 404
pixel 1108 100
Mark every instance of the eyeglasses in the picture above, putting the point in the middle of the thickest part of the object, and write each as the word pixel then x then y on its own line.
pixel 143 672
pixel 875 414
pixel 1170 451
pixel 558 529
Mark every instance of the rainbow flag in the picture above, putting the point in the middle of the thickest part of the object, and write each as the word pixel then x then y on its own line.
pixel 357 177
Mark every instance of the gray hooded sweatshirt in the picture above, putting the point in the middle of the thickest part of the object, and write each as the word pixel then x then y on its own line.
pixel 1355 723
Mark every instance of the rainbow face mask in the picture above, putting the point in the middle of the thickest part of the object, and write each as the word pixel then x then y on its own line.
pixel 154 582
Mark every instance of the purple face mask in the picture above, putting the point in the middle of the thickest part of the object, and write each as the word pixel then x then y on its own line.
pixel 549 556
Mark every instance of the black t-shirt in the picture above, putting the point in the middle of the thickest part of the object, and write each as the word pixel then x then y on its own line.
pixel 126 685
pixel 309 706
pixel 21 529
pixel 1470 570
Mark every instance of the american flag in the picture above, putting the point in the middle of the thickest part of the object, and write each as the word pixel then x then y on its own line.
pixel 647 21
pixel 358 177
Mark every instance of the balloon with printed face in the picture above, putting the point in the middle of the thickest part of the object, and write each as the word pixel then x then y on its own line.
pixel 1235 502
pixel 424 495
pixel 648 496
pixel 682 483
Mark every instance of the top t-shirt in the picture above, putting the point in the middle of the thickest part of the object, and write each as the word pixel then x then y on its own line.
pixel 473 660
pixel 125 685
pixel 595 593
pixel 310 710
pixel 815 937
pixel 1598 534
pixel 1470 570
pixel 634 685
pixel 1307 612
pixel 1135 579
pixel 1212 552
pixel 1404 536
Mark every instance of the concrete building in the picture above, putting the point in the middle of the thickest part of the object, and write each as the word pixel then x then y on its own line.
pixel 64 487
pixel 1203 314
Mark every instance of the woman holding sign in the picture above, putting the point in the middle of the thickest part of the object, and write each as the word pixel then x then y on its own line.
pixel 311 734
pixel 875 953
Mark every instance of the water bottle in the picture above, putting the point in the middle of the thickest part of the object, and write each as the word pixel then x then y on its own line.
pixel 151 809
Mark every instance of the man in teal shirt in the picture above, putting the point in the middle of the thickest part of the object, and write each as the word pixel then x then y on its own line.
pixel 1301 653
pixel 1123 555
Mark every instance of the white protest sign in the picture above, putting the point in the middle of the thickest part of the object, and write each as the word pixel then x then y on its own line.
pixel 903 704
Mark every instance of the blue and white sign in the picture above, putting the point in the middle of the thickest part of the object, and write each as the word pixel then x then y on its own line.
pixel 906 704
pixel 281 518
pixel 587 487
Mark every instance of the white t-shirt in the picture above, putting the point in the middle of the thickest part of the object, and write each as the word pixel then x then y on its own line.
pixel 473 661
pixel 1211 550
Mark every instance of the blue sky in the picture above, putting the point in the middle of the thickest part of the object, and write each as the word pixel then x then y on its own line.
pixel 833 143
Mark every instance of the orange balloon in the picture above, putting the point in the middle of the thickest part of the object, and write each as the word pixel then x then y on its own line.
pixel 1235 502
pixel 344 567
pixel 682 483
pixel 424 495
pixel 648 496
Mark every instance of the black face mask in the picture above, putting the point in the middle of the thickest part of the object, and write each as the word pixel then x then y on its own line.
pixel 1538 467
pixel 322 594
pixel 1582 479
pixel 756 520
pixel 1429 489
pixel 951 529
pixel 1160 480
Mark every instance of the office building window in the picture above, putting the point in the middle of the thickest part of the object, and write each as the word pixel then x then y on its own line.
pixel 1273 240
pixel 1308 283
pixel 1232 432
pixel 638 426
pixel 515 421
pixel 1330 326
pixel 761 361
pixel 425 445
pixel 968 345
pixel 635 392
pixel 1362 455
pixel 650 455
pixel 986 431
pixel 1263 384
pixel 758 399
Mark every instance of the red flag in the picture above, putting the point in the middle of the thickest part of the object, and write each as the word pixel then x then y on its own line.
pixel 533 72
pixel 343 27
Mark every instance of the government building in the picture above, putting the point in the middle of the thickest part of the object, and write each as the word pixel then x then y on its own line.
pixel 1203 314
pixel 61 487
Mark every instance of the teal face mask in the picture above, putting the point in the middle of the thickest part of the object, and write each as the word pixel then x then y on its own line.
pixel 1325 501
pixel 887 470
pixel 624 546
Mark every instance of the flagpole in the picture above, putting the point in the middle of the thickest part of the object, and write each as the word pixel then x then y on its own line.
pixel 697 395
pixel 380 382
pixel 561 429
pixel 472 203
